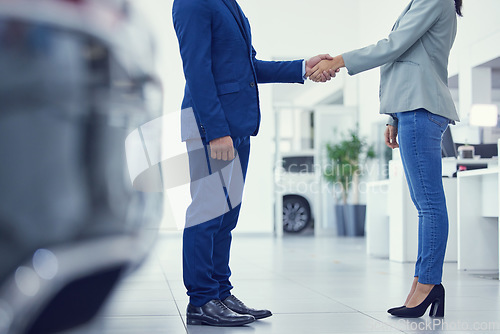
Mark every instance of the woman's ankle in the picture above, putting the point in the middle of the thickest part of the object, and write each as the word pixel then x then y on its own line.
pixel 412 290
pixel 424 287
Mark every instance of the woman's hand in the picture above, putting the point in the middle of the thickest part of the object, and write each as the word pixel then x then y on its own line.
pixel 390 134
pixel 326 68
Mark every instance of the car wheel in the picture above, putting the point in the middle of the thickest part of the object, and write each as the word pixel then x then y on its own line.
pixel 296 214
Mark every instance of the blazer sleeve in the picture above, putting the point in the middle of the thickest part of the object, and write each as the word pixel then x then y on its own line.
pixel 192 23
pixel 421 16
pixel 277 71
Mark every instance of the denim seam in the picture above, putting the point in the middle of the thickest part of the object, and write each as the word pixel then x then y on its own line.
pixel 428 273
pixel 419 255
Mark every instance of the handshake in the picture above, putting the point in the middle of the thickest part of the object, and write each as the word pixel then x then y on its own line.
pixel 323 67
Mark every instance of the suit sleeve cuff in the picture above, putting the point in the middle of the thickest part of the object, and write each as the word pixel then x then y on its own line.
pixel 349 63
pixel 392 121
pixel 216 132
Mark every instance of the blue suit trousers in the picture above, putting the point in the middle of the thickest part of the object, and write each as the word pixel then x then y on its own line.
pixel 216 191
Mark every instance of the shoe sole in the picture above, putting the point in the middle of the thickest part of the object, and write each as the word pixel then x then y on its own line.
pixel 201 322
pixel 408 316
pixel 263 316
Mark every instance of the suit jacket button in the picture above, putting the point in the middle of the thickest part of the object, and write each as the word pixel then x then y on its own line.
pixel 252 84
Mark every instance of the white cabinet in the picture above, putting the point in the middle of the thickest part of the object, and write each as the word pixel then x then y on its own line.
pixel 478 212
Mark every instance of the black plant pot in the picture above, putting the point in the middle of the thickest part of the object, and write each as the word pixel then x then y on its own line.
pixel 340 220
pixel 350 220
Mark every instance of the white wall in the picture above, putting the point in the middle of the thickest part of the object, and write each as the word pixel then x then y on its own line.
pixel 285 29
pixel 478 41
pixel 288 29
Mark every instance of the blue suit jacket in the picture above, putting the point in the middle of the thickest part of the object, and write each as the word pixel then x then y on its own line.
pixel 221 69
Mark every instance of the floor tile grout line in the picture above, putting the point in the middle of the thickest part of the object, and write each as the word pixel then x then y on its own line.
pixel 164 274
pixel 391 326
pixel 322 294
pixel 343 304
pixel 461 283
pixel 337 301
pixel 283 276
pixel 137 316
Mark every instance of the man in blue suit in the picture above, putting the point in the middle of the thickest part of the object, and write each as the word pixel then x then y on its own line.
pixel 220 112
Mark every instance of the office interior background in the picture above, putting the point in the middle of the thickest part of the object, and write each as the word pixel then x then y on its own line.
pixel 284 30
pixel 317 280
pixel 298 120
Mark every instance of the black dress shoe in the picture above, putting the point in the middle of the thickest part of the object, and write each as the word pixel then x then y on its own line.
pixel 215 313
pixel 237 306
pixel 435 298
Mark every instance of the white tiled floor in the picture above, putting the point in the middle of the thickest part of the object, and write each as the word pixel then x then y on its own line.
pixel 312 285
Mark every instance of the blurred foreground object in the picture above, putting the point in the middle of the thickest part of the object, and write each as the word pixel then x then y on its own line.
pixel 76 78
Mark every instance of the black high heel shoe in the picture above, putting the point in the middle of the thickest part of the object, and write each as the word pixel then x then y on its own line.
pixel 435 298
pixel 395 309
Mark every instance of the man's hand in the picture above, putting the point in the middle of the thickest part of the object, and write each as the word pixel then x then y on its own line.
pixel 315 61
pixel 325 68
pixel 222 148
pixel 390 134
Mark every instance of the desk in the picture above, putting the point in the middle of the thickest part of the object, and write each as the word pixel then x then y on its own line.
pixel 450 165
pixel 392 221
pixel 478 218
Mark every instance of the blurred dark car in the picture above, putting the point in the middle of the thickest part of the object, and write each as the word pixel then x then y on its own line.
pixel 76 77
pixel 297 183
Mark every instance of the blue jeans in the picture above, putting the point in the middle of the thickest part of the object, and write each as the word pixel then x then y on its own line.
pixel 420 133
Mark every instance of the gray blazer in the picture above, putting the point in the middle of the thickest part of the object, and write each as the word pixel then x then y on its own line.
pixel 414 60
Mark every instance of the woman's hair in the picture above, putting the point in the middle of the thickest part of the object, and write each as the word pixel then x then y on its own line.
pixel 458 7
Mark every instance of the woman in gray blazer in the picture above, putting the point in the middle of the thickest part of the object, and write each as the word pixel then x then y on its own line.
pixel 414 91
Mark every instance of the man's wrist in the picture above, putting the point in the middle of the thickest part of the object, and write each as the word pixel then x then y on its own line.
pixel 304 65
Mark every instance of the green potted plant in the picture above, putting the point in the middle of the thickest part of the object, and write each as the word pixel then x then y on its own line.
pixel 345 163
